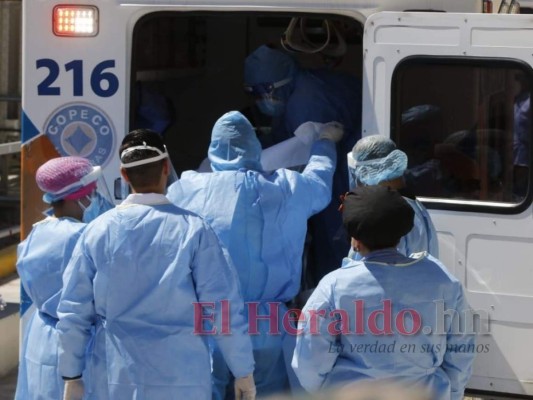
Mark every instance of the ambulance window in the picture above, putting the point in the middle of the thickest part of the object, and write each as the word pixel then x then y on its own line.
pixel 465 126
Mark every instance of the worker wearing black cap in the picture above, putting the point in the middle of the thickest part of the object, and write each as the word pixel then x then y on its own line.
pixel 383 317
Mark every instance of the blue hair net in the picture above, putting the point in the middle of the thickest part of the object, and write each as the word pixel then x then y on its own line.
pixel 376 160
pixel 234 144
pixel 266 65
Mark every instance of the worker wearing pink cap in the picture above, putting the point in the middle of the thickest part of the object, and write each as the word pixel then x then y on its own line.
pixel 69 185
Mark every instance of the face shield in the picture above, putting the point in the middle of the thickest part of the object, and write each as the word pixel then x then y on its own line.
pixel 267 96
pixel 352 182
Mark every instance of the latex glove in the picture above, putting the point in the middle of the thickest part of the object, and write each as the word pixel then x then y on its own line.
pixel 73 389
pixel 331 131
pixel 308 132
pixel 245 388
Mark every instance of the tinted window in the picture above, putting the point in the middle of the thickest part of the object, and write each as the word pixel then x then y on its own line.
pixel 466 126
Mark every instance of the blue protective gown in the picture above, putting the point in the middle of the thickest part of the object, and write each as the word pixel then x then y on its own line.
pixel 423 236
pixel 440 360
pixel 261 218
pixel 134 276
pixel 324 96
pixel 42 259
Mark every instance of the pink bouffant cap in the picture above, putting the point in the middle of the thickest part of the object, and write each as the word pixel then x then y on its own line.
pixel 84 191
pixel 68 178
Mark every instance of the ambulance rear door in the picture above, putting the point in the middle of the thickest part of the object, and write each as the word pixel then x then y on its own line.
pixel 453 91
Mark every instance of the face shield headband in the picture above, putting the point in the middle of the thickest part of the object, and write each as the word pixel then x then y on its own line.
pixel 161 155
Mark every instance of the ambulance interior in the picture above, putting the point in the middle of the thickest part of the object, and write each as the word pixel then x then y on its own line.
pixel 460 121
pixel 192 64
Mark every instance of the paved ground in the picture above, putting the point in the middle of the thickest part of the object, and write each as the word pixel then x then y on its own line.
pixel 10 291
pixel 7 386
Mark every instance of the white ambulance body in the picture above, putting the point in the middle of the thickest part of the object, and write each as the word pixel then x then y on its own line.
pixel 439 76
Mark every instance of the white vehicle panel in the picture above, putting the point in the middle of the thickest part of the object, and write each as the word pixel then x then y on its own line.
pixel 490 253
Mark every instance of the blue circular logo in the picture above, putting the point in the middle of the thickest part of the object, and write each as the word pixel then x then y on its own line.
pixel 83 130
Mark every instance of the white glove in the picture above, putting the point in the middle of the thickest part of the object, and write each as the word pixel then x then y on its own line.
pixel 331 131
pixel 245 388
pixel 73 389
pixel 308 132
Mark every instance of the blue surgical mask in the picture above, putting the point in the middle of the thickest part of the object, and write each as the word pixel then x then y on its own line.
pixel 99 204
pixel 270 106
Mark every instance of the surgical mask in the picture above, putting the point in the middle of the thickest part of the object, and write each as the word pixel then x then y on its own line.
pixel 271 106
pixel 49 212
pixel 99 204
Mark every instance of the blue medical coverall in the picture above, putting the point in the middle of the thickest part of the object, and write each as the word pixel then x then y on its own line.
pixel 261 218
pixel 42 259
pixel 423 236
pixel 134 276
pixel 324 96
pixel 441 360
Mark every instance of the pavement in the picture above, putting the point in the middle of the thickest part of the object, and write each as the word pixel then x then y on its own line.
pixel 9 336
pixel 8 384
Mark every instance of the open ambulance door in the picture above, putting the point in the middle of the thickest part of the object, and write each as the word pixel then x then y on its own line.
pixel 453 91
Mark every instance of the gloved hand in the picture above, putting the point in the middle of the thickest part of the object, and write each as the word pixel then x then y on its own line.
pixel 333 131
pixel 73 389
pixel 245 388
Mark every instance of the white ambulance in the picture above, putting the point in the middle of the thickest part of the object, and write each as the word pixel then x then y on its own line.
pixel 443 78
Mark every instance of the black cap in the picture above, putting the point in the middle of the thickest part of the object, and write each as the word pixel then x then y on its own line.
pixel 377 216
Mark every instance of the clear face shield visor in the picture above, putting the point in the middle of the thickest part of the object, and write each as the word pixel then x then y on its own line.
pixel 265 90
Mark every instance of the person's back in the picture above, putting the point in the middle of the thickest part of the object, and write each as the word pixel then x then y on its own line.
pixel 261 218
pixel 143 296
pixel 40 266
pixel 297 96
pixel 408 346
pixel 145 265
pixel 42 259
pixel 386 316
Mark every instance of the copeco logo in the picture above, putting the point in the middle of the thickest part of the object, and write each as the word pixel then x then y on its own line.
pixel 80 129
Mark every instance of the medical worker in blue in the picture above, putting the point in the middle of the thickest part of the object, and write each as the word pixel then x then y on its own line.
pixel 375 160
pixel 292 95
pixel 378 318
pixel 146 282
pixel 69 185
pixel 261 218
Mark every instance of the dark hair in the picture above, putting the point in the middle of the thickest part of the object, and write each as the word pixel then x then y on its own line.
pixel 147 174
pixel 377 216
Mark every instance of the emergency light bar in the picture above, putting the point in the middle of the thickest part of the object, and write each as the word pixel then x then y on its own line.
pixel 75 21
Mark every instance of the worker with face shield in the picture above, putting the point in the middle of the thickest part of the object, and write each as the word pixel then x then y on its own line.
pixel 139 287
pixel 70 186
pixel 378 318
pixel 261 218
pixel 292 96
pixel 375 160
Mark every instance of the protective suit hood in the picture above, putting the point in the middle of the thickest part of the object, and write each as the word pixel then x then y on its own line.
pixel 234 144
